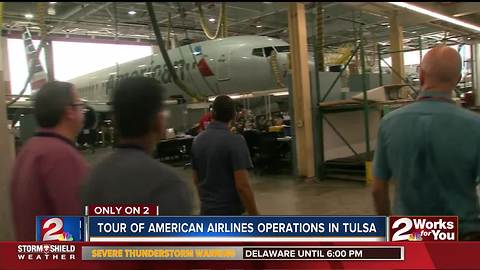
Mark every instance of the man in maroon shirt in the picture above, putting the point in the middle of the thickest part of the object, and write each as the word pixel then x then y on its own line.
pixel 49 170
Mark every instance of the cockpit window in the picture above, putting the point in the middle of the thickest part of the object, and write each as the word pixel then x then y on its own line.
pixel 268 51
pixel 258 52
pixel 282 49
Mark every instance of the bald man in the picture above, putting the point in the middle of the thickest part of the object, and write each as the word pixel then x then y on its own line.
pixel 431 148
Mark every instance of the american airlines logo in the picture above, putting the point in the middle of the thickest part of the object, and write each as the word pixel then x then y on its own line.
pixel 161 73
pixel 46 252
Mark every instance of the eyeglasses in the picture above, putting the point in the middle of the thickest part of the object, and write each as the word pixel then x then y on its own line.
pixel 80 104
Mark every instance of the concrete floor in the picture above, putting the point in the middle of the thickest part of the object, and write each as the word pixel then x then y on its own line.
pixel 287 195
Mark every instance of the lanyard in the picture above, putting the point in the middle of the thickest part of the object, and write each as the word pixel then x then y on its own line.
pixel 442 99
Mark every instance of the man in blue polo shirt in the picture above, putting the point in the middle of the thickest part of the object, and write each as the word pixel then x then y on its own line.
pixel 431 148
pixel 220 162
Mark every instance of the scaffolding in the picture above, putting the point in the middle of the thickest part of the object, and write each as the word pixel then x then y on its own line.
pixel 325 108
pixel 420 49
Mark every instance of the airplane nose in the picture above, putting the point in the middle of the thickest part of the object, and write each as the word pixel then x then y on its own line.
pixel 282 60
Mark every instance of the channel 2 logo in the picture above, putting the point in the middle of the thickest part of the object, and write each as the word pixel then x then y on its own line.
pixel 60 229
pixel 52 229
pixel 423 228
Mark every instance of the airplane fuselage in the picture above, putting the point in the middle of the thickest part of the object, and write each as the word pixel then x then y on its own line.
pixel 231 65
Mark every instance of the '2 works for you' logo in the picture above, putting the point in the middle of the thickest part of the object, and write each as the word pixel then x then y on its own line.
pixel 423 228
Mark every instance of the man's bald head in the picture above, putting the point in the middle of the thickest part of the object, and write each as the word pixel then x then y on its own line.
pixel 440 68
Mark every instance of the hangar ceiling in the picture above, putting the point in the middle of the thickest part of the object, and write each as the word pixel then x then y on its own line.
pixel 129 22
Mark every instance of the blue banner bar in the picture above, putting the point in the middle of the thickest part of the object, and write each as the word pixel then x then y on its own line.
pixel 238 226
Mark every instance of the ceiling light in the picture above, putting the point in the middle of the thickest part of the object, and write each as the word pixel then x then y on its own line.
pixel 436 15
pixel 279 94
pixel 240 96
pixel 259 26
pixel 211 20
pixel 132 12
pixel 29 16
pixel 53 3
pixel 51 11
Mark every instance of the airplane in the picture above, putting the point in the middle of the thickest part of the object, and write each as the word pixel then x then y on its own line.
pixel 239 66
pixel 233 65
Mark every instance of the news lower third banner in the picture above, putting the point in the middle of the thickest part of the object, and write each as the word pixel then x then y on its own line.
pixel 127 237
pixel 236 228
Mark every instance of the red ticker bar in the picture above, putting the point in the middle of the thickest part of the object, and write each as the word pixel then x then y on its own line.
pixel 68 255
pixel 122 210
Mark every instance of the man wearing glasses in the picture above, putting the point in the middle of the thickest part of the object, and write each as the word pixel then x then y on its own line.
pixel 49 170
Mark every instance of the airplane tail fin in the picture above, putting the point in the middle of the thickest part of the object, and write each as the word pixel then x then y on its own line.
pixel 39 76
